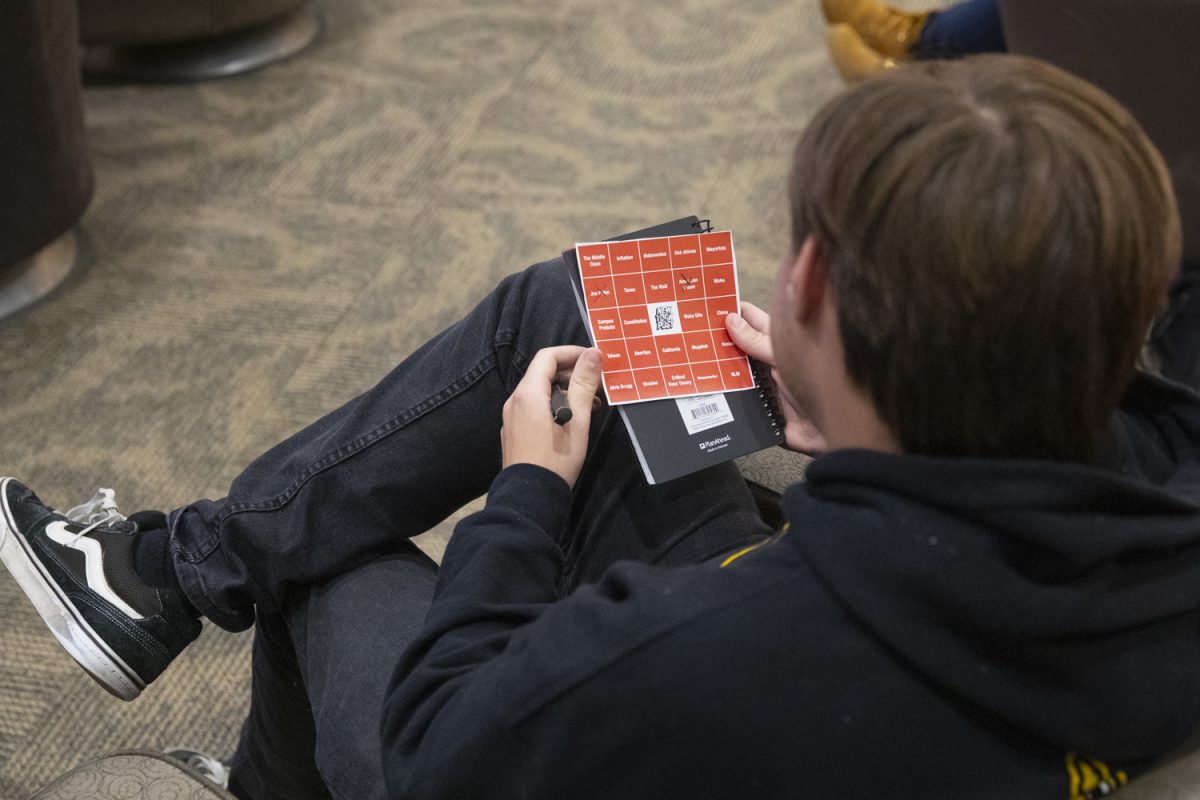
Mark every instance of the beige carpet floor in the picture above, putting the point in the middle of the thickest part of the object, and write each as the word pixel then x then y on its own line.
pixel 260 249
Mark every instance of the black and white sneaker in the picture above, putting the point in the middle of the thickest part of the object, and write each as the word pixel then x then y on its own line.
pixel 77 570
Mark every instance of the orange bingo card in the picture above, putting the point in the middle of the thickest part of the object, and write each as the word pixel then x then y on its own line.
pixel 657 309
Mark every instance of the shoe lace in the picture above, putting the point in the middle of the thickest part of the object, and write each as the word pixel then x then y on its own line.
pixel 212 768
pixel 100 510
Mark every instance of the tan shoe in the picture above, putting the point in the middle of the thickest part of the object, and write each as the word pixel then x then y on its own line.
pixel 854 58
pixel 888 30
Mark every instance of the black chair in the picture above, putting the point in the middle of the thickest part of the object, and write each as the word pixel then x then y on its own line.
pixel 190 40
pixel 1142 52
pixel 45 174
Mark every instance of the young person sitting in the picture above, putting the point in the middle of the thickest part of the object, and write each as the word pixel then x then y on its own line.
pixel 988 586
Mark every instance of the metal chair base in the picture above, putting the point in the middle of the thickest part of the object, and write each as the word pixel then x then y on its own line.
pixel 24 283
pixel 204 59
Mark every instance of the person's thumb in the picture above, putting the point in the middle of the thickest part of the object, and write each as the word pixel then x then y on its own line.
pixel 753 343
pixel 585 381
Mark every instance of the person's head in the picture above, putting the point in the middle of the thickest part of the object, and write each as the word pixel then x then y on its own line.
pixel 993 238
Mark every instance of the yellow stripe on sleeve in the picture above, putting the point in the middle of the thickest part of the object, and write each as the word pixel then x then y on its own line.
pixel 730 559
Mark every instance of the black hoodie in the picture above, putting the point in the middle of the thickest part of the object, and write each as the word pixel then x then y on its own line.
pixel 928 627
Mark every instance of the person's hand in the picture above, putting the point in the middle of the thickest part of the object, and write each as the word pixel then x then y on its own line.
pixel 530 435
pixel 751 331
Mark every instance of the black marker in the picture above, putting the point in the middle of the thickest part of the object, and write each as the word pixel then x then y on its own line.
pixel 558 405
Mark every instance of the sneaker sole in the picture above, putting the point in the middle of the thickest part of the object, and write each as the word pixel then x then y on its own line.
pixel 68 626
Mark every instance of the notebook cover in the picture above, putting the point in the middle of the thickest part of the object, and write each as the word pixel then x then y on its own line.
pixel 739 422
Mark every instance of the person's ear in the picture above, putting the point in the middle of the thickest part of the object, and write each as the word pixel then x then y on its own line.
pixel 808 280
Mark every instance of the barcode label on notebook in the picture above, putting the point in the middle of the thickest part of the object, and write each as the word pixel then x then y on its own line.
pixel 704 411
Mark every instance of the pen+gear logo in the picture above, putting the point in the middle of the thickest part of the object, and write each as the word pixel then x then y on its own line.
pixel 1092 779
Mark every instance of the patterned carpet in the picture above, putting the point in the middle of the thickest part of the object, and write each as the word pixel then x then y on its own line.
pixel 261 249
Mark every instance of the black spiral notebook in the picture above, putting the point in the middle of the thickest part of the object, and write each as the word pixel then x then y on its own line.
pixel 677 436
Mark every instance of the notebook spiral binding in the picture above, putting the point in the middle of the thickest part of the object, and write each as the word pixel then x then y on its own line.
pixel 769 394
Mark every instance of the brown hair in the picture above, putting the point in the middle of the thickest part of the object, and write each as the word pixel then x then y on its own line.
pixel 999 236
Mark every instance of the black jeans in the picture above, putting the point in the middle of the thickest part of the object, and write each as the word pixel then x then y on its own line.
pixel 313 536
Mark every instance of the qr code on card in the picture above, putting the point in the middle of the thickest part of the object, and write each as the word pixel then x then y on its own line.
pixel 664 317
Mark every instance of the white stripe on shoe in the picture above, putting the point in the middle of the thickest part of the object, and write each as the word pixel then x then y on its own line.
pixel 93 556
